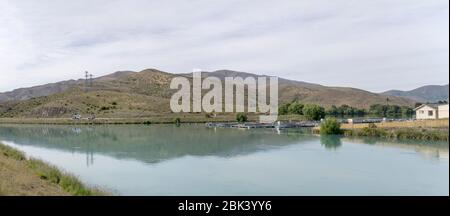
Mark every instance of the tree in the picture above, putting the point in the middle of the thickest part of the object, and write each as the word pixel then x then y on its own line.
pixel 393 110
pixel 296 108
pixel 283 109
pixel 360 112
pixel 407 111
pixel 330 126
pixel 313 112
pixel 345 110
pixel 241 117
pixel 334 111
pixel 378 110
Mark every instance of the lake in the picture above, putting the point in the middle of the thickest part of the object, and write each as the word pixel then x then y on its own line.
pixel 194 160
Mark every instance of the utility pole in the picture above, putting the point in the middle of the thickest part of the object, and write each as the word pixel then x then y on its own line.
pixel 86 81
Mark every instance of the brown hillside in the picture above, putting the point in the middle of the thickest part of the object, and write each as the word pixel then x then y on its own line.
pixel 147 93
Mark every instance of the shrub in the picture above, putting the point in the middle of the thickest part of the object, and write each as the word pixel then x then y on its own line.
pixel 330 126
pixel 374 132
pixel 103 108
pixel 241 117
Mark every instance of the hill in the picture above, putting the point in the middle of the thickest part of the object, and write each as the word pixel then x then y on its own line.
pixel 147 93
pixel 429 93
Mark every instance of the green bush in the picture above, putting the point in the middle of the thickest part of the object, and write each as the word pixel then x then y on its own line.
pixel 330 126
pixel 241 117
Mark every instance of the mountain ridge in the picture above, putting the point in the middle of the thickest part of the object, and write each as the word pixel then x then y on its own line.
pixel 424 94
pixel 145 93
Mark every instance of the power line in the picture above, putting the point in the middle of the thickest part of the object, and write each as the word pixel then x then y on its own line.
pixel 88 81
pixel 86 76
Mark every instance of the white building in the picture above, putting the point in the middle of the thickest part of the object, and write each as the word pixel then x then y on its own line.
pixel 443 111
pixel 432 111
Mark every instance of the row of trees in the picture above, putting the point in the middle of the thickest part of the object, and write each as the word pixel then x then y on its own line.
pixel 310 111
pixel 345 110
pixel 316 112
pixel 390 110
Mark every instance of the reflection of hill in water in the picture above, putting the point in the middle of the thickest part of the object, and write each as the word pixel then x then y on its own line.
pixel 148 143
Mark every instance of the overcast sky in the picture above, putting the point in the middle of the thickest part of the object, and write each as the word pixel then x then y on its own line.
pixel 375 45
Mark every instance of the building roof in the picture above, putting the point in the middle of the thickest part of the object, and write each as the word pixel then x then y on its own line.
pixel 432 105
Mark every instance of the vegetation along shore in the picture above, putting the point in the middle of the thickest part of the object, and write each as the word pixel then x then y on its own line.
pixel 22 176
pixel 428 130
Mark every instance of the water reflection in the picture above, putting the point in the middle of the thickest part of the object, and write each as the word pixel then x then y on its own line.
pixel 330 141
pixel 150 144
pixel 155 143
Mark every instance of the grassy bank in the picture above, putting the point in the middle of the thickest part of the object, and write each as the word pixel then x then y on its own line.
pixel 22 176
pixel 425 130
pixel 425 134
pixel 430 123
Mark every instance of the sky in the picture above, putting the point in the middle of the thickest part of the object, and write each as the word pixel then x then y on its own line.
pixel 374 45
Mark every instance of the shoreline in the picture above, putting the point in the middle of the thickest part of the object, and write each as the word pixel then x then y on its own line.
pixel 168 119
pixel 24 176
pixel 424 130
pixel 419 134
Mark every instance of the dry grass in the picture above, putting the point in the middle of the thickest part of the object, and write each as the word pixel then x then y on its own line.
pixel 20 176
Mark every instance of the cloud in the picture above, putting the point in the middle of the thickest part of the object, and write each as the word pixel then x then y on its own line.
pixel 375 45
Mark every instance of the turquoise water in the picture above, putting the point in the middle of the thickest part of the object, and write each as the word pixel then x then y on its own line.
pixel 194 160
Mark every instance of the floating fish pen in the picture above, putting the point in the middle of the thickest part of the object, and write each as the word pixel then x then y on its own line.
pixel 277 125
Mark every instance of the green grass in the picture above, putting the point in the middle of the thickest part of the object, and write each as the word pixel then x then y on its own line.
pixel 67 182
pixel 12 153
